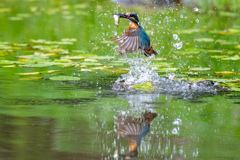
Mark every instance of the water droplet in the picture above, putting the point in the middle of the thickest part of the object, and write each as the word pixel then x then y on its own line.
pixel 171 76
pixel 197 21
pixel 181 16
pixel 177 45
pixel 195 9
pixel 177 122
pixel 175 36
pixel 174 131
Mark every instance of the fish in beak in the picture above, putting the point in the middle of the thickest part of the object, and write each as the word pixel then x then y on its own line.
pixel 116 17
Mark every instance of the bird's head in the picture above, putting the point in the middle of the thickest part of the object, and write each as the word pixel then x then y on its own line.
pixel 131 16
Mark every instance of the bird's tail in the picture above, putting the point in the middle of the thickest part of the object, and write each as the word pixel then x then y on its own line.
pixel 149 52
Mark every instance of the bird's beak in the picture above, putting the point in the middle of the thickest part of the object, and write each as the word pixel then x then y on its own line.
pixel 121 15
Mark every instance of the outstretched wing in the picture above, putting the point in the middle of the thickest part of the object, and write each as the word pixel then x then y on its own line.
pixel 133 40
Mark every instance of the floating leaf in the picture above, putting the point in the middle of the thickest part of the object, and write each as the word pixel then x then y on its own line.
pixel 236 57
pixel 82 6
pixel 224 42
pixel 64 78
pixel 169 69
pixel 50 71
pixel 237 47
pixel 38 40
pixel 35 65
pixel 73 57
pixel 160 59
pixel 90 60
pixel 214 51
pixel 78 51
pixel 102 57
pixel 119 70
pixel 235 89
pixel 9 66
pixel 91 64
pixel 190 31
pixel 86 70
pixel 63 60
pixel 99 68
pixel 190 73
pixel 225 72
pixel 147 87
pixel 187 52
pixel 6 62
pixel 30 78
pixel 27 74
pixel 204 40
pixel 199 69
pixel 69 39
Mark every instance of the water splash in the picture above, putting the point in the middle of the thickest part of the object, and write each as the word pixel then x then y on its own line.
pixel 141 72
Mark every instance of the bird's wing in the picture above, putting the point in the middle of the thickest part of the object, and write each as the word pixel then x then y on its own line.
pixel 133 40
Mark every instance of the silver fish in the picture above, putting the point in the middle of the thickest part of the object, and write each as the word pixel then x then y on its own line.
pixel 116 19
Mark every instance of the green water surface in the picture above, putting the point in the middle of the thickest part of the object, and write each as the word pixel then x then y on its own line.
pixel 44 118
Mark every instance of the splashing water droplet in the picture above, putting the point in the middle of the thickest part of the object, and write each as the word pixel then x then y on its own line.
pixel 195 9
pixel 141 72
pixel 177 45
pixel 177 122
pixel 175 36
pixel 171 76
pixel 174 131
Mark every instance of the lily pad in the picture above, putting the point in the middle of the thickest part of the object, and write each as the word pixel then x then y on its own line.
pixel 30 78
pixel 235 58
pixel 214 51
pixel 225 72
pixel 235 89
pixel 50 71
pixel 190 31
pixel 119 70
pixel 160 59
pixel 9 66
pixel 91 64
pixel 200 69
pixel 35 65
pixel 27 74
pixel 74 57
pixel 147 87
pixel 169 69
pixel 90 60
pixel 102 57
pixel 204 40
pixel 64 78
pixel 86 70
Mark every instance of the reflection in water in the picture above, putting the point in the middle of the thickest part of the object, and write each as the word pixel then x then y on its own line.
pixel 134 129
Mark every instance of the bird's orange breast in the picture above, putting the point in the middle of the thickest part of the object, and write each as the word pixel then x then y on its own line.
pixel 133 25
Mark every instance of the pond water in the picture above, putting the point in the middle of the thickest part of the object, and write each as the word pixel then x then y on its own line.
pixel 58 68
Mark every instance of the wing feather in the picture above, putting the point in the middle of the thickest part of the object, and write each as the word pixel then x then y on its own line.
pixel 129 42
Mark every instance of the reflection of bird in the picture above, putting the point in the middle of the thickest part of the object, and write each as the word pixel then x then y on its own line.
pixel 135 38
pixel 135 129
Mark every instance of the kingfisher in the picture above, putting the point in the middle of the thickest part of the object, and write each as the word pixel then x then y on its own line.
pixel 135 38
pixel 135 129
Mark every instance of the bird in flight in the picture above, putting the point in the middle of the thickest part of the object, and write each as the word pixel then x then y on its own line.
pixel 135 38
